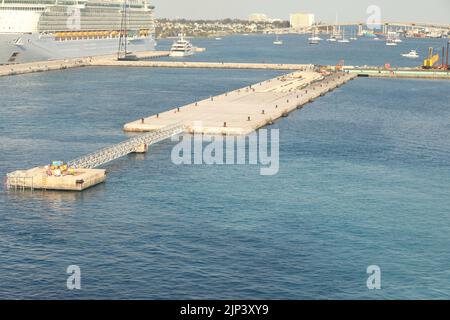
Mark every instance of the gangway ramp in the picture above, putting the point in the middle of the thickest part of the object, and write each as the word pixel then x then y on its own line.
pixel 108 154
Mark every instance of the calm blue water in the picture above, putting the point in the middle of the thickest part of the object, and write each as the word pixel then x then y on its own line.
pixel 364 179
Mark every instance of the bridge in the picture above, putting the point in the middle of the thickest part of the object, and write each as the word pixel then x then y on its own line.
pixel 383 26
pixel 394 24
pixel 135 144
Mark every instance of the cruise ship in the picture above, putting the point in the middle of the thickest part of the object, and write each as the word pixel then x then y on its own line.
pixel 37 30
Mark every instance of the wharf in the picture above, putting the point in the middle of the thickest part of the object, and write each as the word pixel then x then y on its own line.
pixel 245 110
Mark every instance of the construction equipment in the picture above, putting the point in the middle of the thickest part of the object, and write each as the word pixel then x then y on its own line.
pixel 340 65
pixel 431 60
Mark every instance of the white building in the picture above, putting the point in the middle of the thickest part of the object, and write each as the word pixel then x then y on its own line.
pixel 301 20
pixel 258 17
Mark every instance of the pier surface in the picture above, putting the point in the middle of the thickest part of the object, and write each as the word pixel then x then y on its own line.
pixel 244 110
pixel 37 178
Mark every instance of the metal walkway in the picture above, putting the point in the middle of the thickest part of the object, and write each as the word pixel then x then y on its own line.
pixel 114 152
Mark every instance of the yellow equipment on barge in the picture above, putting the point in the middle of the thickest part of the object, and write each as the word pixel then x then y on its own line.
pixel 431 60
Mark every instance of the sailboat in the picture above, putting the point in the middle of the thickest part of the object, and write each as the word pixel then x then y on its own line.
pixel 278 41
pixel 343 40
pixel 332 38
pixel 314 39
pixel 123 54
pixel 353 38
pixel 390 40
pixel 314 36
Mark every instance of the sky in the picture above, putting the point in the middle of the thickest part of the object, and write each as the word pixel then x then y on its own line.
pixel 436 11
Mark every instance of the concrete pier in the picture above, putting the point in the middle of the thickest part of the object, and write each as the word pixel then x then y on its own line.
pixel 102 62
pixel 409 73
pixel 147 60
pixel 37 178
pixel 53 65
pixel 244 110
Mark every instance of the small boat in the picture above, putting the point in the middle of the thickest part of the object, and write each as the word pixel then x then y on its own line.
pixel 314 39
pixel 376 39
pixel 278 41
pixel 391 39
pixel 343 40
pixel 412 54
pixel 391 43
pixel 218 38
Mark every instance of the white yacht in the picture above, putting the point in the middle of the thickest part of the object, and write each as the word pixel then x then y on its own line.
pixel 278 41
pixel 182 48
pixel 412 54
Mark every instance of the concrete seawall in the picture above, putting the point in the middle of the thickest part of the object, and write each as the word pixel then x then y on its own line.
pixel 147 60
pixel 201 65
pixel 402 73
pixel 54 65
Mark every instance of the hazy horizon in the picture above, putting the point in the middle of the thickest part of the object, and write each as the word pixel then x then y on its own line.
pixel 324 10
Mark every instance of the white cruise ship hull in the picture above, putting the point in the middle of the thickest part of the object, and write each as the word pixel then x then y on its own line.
pixel 19 48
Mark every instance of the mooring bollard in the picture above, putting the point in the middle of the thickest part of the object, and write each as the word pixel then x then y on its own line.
pixel 142 120
pixel 263 112
pixel 224 124
pixel 248 119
